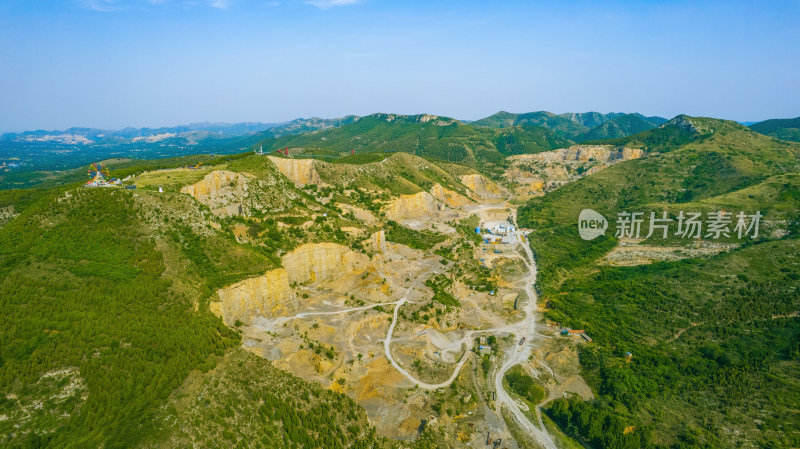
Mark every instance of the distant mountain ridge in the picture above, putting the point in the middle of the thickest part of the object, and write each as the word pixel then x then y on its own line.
pixel 425 135
pixel 59 150
pixel 191 133
pixel 785 129
pixel 697 164
pixel 621 126
pixel 580 126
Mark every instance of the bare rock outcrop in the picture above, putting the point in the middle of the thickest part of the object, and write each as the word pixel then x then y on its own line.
pixel 360 214
pixel 542 172
pixel 268 295
pixel 271 295
pixel 481 186
pixel 378 241
pixel 447 196
pixel 221 190
pixel 418 205
pixel 583 153
pixel 7 214
pixel 322 261
pixel 299 171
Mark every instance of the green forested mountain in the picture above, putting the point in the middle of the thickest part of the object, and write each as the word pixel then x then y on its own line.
pixel 621 126
pixel 107 338
pixel 424 135
pixel 527 139
pixel 590 119
pixel 564 126
pixel 36 154
pixel 303 125
pixel 677 132
pixel 785 129
pixel 104 297
pixel 576 126
pixel 713 341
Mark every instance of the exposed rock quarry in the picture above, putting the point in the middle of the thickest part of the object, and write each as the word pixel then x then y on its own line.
pixel 418 205
pixel 449 197
pixel 543 172
pixel 221 190
pixel 322 261
pixel 229 193
pixel 378 241
pixel 583 153
pixel 299 171
pixel 270 295
pixel 481 186
pixel 362 215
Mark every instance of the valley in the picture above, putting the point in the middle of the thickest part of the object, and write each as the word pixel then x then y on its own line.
pixel 365 324
pixel 358 224
pixel 430 302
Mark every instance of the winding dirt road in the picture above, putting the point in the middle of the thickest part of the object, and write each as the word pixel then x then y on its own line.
pixel 515 355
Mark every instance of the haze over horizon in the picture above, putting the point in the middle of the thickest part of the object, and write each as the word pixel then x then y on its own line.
pixel 152 63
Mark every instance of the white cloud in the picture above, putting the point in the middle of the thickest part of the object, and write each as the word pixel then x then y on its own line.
pixel 99 5
pixel 220 4
pixel 115 5
pixel 326 4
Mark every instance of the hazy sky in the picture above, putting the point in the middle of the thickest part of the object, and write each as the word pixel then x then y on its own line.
pixel 115 63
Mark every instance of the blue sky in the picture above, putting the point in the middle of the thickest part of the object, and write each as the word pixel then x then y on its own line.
pixel 117 63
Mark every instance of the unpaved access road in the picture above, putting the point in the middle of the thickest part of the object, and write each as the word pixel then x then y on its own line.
pixel 513 356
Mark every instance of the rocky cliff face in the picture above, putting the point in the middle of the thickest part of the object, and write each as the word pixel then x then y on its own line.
pixel 221 190
pixel 270 295
pixel 418 205
pixel 447 196
pixel 481 186
pixel 299 171
pixel 683 122
pixel 362 215
pixel 583 153
pixel 229 193
pixel 543 172
pixel 378 241
pixel 322 261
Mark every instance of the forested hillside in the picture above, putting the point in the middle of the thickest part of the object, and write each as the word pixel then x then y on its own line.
pixel 622 126
pixel 698 352
pixel 424 135
pixel 104 297
pixel 108 339
pixel 786 129
pixel 579 127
